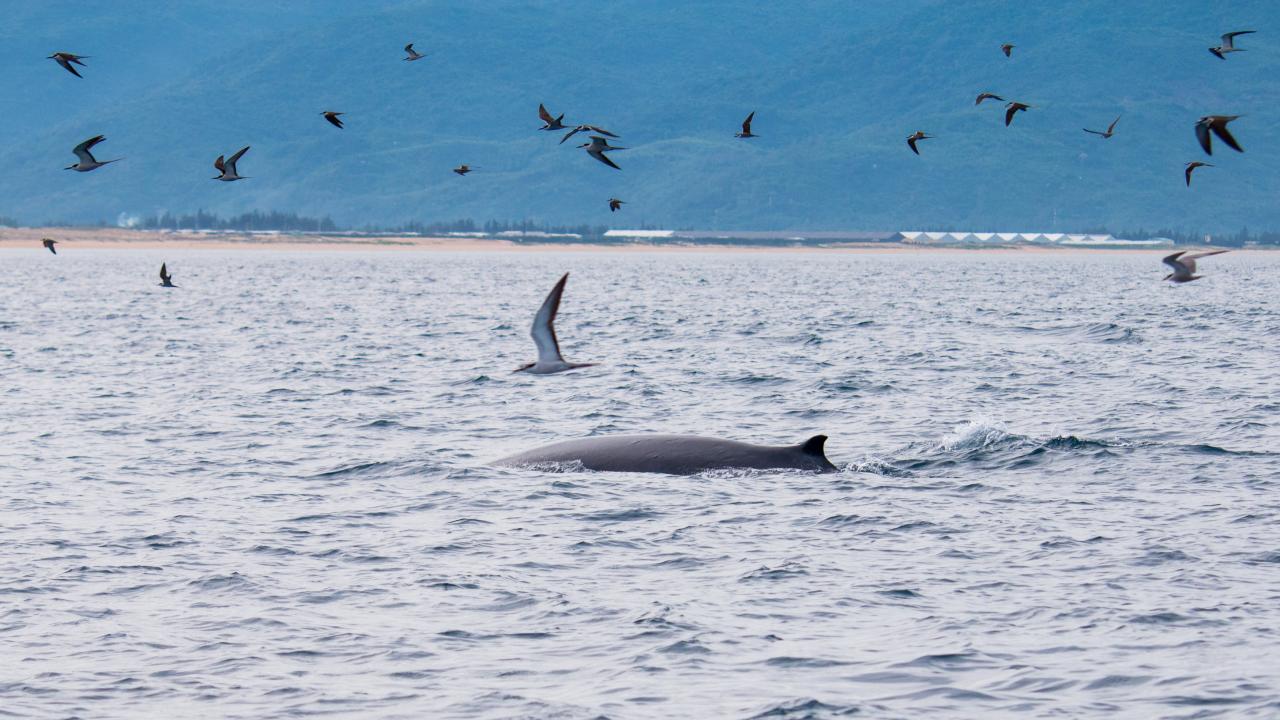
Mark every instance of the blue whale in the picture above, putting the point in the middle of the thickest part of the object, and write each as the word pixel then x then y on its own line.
pixel 675 454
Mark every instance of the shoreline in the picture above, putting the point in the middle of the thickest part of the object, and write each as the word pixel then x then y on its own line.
pixel 115 238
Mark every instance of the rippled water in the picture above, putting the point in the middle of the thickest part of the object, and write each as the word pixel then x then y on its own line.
pixel 264 494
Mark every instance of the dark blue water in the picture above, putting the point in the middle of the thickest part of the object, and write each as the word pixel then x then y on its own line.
pixel 264 494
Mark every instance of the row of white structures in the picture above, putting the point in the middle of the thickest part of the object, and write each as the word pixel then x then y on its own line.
pixel 1018 238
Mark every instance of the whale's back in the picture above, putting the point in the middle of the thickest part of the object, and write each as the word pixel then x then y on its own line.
pixel 675 454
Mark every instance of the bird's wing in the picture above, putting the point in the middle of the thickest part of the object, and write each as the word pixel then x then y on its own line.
pixel 1202 134
pixel 570 134
pixel 1220 129
pixel 1111 128
pixel 219 166
pixel 604 159
pixel 409 48
pixel 164 273
pixel 1228 40
pixel 912 142
pixel 746 124
pixel 1188 173
pixel 1173 262
pixel 1191 258
pixel 546 116
pixel 544 329
pixel 602 131
pixel 232 160
pixel 1095 132
pixel 1008 114
pixel 66 64
pixel 333 119
pixel 82 150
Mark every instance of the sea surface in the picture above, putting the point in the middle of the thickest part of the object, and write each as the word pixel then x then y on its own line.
pixel 265 494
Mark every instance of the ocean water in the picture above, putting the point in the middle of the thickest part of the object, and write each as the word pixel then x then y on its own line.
pixel 265 494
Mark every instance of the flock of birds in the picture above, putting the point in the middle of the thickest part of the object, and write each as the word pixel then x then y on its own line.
pixel 1206 127
pixel 550 360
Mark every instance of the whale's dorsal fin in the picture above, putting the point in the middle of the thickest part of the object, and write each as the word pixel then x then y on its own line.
pixel 814 446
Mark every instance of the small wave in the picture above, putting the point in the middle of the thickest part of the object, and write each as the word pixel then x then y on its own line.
pixel 786 661
pixel 782 572
pixel 805 709
pixel 611 516
pixel 356 469
pixel 1104 332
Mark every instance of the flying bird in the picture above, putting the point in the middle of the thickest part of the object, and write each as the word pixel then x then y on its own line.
pixel 1191 166
pixel 1184 265
pixel 412 54
pixel 987 96
pixel 746 127
pixel 227 168
pixel 548 122
pixel 332 117
pixel 87 161
pixel 597 149
pixel 615 204
pixel 65 59
pixel 586 128
pixel 49 245
pixel 1228 44
pixel 1217 124
pixel 1111 129
pixel 544 336
pixel 1011 109
pixel 166 280
pixel 463 169
pixel 1007 49
pixel 914 137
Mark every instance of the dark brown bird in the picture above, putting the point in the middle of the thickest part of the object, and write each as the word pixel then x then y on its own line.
pixel 914 137
pixel 84 154
pixel 987 96
pixel 615 204
pixel 597 149
pixel 1011 109
pixel 332 117
pixel 548 122
pixel 463 169
pixel 1228 44
pixel 1007 49
pixel 1111 129
pixel 226 167
pixel 166 280
pixel 411 54
pixel 65 59
pixel 1184 265
pixel 49 245
pixel 1191 166
pixel 1217 124
pixel 586 128
pixel 746 127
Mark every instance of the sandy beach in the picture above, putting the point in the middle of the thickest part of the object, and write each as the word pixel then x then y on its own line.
pixel 118 238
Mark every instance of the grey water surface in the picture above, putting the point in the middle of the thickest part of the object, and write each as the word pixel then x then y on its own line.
pixel 264 494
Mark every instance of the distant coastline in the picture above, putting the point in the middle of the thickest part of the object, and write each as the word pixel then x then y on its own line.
pixel 120 238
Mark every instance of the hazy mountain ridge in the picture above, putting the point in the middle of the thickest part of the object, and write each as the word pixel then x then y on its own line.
pixel 837 88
